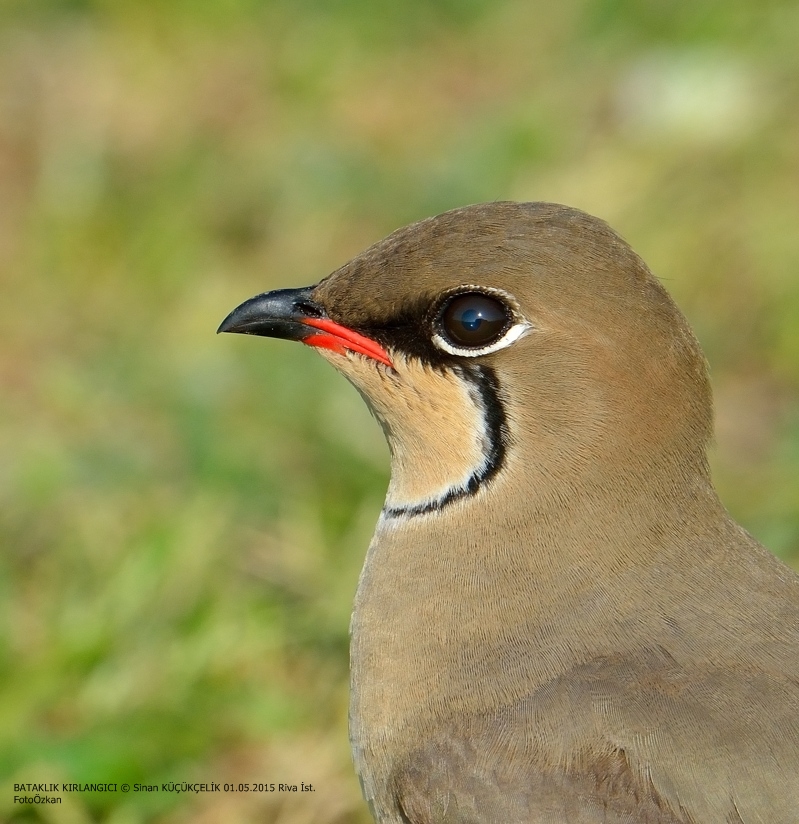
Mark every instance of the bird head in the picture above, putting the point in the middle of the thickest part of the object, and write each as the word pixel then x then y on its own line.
pixel 515 343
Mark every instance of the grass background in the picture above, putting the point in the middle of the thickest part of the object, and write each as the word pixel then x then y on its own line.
pixel 183 517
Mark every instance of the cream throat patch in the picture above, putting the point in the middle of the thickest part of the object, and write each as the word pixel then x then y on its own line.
pixel 446 428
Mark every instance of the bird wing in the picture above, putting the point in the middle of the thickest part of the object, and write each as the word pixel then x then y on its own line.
pixel 618 741
pixel 446 786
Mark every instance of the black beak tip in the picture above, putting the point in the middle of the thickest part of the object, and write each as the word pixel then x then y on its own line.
pixel 254 316
pixel 277 314
pixel 228 324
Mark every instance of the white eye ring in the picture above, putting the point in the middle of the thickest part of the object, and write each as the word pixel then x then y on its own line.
pixel 516 330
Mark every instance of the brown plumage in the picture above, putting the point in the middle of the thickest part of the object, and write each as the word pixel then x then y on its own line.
pixel 557 620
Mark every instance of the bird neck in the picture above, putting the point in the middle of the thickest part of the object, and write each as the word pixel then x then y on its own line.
pixel 513 598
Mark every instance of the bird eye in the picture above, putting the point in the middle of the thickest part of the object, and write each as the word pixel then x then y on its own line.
pixel 474 319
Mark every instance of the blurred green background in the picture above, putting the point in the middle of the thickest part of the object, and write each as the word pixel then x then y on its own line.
pixel 182 516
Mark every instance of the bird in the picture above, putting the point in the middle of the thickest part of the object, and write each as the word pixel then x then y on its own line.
pixel 557 619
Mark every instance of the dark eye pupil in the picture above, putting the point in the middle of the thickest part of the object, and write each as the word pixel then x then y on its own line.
pixel 474 319
pixel 471 320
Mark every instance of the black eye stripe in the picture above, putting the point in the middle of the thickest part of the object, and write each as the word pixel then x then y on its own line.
pixel 415 328
pixel 473 319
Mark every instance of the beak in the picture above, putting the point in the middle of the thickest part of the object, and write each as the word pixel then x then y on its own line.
pixel 292 314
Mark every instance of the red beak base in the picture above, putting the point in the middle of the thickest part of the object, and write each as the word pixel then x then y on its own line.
pixel 340 339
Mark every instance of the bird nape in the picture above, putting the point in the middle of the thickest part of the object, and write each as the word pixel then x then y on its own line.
pixel 557 620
